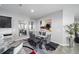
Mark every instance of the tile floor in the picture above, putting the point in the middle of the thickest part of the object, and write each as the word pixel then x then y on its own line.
pixel 59 50
pixel 67 49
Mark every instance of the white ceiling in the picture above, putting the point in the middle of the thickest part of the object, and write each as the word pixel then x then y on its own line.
pixel 40 9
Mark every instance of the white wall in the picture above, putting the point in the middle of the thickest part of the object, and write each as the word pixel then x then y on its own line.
pixel 15 22
pixel 68 18
pixel 76 19
pixel 57 26
pixel 59 20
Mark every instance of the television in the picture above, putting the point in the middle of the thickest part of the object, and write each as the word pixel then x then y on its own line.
pixel 5 22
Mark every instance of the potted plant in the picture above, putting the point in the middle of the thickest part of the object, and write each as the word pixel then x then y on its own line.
pixel 71 32
pixel 76 29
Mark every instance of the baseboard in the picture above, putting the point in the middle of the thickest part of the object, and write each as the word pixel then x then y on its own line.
pixel 64 44
pixel 61 44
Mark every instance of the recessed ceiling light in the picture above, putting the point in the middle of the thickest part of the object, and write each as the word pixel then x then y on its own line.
pixel 32 10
